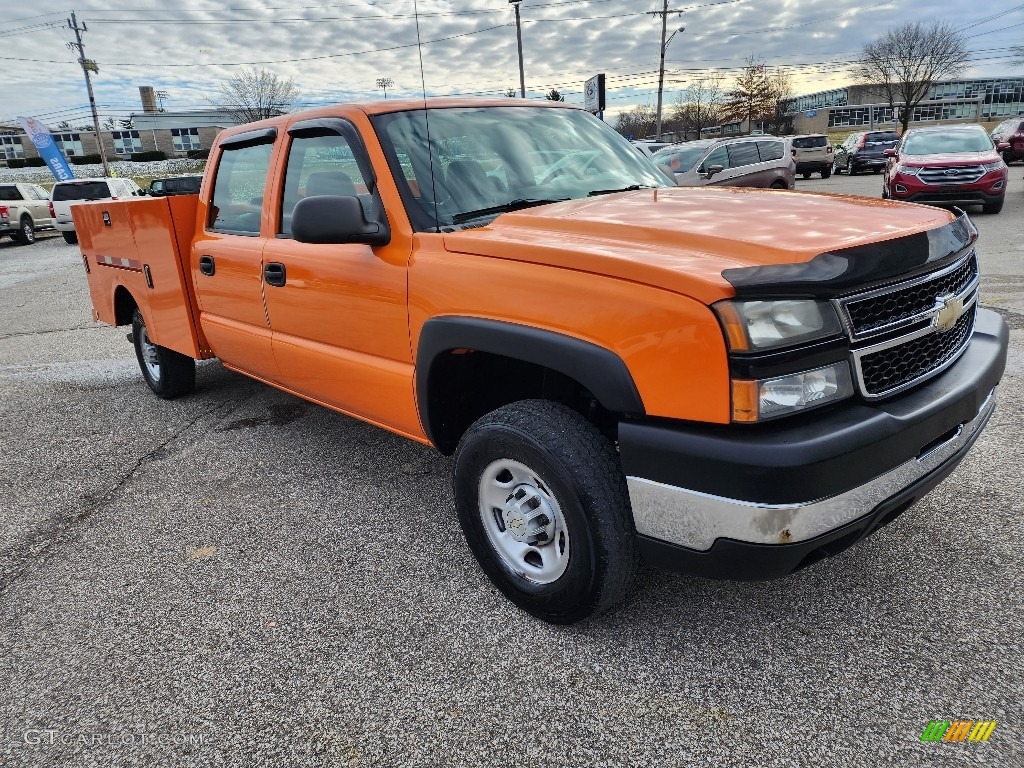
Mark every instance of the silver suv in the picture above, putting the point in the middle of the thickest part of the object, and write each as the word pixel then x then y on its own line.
pixel 64 193
pixel 813 154
pixel 749 161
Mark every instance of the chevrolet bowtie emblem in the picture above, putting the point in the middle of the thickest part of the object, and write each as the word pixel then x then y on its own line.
pixel 949 309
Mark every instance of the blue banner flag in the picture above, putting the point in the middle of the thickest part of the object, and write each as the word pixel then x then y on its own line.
pixel 48 149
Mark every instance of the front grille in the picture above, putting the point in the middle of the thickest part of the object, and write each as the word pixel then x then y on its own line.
pixel 878 311
pixel 893 368
pixel 960 175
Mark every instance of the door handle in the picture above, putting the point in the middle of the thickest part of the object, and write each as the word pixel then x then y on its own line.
pixel 206 265
pixel 274 273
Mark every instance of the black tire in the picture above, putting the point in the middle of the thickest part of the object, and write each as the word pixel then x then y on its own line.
pixel 564 458
pixel 168 373
pixel 993 207
pixel 835 167
pixel 26 234
pixel 70 237
pixel 806 175
pixel 878 170
pixel 826 173
pixel 779 184
pixel 852 169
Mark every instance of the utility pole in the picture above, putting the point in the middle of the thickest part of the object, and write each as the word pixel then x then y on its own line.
pixel 86 66
pixel 519 38
pixel 664 12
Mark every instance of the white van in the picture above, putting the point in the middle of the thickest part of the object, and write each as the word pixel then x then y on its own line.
pixel 64 193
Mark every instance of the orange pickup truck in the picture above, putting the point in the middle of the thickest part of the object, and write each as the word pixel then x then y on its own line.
pixel 729 382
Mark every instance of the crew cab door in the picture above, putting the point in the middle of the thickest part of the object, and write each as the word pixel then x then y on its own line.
pixel 227 256
pixel 338 312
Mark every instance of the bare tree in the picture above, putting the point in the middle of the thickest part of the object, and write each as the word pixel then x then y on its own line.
pixel 751 99
pixel 511 93
pixel 908 59
pixel 256 94
pixel 699 106
pixel 777 120
pixel 638 123
pixel 109 124
pixel 554 95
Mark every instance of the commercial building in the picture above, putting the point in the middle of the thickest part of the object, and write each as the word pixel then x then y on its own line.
pixel 976 100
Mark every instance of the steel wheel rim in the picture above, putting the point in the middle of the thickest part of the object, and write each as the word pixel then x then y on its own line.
pixel 149 354
pixel 506 495
pixel 27 231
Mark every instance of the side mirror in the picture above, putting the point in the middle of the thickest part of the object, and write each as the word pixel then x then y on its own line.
pixel 1003 146
pixel 889 152
pixel 336 219
pixel 713 170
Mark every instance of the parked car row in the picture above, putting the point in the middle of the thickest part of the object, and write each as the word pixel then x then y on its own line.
pixel 748 161
pixel 27 208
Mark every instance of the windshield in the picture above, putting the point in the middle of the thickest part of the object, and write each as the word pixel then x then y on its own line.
pixel 679 160
pixel 482 158
pixel 946 143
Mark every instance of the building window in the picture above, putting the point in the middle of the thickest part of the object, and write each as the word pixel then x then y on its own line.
pixel 185 139
pixel 126 142
pixel 70 144
pixel 11 147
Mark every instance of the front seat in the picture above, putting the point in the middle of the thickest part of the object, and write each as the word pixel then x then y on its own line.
pixel 468 184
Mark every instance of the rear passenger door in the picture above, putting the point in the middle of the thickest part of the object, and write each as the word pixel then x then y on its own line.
pixel 744 170
pixel 227 256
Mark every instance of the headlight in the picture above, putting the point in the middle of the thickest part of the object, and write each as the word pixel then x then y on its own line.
pixel 909 170
pixel 760 400
pixel 752 326
pixel 996 166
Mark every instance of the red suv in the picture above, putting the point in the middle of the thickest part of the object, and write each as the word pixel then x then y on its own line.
pixel 1010 132
pixel 947 165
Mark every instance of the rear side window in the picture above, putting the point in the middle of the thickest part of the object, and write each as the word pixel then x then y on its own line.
pixel 319 165
pixel 771 150
pixel 809 142
pixel 9 193
pixel 239 188
pixel 743 153
pixel 81 190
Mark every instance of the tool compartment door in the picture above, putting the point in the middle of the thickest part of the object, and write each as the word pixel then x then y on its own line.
pixel 135 244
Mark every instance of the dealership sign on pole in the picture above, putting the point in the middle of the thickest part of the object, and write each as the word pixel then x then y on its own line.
pixel 593 94
pixel 48 149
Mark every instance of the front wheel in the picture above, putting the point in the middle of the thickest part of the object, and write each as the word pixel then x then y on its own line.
pixel 851 169
pixel 542 501
pixel 806 175
pixel 70 237
pixel 835 167
pixel 26 234
pixel 168 373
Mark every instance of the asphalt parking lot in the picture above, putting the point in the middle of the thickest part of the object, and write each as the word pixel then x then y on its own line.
pixel 240 578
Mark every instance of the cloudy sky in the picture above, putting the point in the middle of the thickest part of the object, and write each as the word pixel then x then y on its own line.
pixel 337 52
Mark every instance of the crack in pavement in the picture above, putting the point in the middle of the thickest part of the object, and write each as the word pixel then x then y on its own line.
pixel 30 548
pixel 51 330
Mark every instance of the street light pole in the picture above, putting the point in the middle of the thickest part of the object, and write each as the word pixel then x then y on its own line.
pixel 661 69
pixel 519 38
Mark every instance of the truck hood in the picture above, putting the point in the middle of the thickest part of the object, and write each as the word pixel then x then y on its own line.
pixel 681 239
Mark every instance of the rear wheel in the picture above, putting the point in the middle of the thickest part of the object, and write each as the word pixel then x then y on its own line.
pixel 779 184
pixel 70 237
pixel 826 172
pixel 806 175
pixel 851 169
pixel 168 373
pixel 993 207
pixel 26 234
pixel 835 167
pixel 542 500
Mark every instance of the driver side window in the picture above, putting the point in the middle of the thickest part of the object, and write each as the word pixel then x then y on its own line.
pixel 719 156
pixel 319 165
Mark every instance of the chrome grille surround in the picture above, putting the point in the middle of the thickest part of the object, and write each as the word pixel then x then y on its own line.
pixel 954 175
pixel 912 317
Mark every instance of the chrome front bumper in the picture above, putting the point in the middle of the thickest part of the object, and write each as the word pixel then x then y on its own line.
pixel 696 520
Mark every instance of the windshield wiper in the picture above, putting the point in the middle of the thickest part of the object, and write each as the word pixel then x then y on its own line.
pixel 511 205
pixel 630 188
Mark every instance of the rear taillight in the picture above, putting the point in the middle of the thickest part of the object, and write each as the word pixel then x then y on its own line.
pixel 5 212
pixel 863 140
pixel 793 152
pixel 53 213
pixel 828 150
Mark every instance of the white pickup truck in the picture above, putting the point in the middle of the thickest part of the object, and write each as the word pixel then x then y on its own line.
pixel 24 208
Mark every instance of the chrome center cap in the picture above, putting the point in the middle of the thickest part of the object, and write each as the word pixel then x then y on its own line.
pixel 528 516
